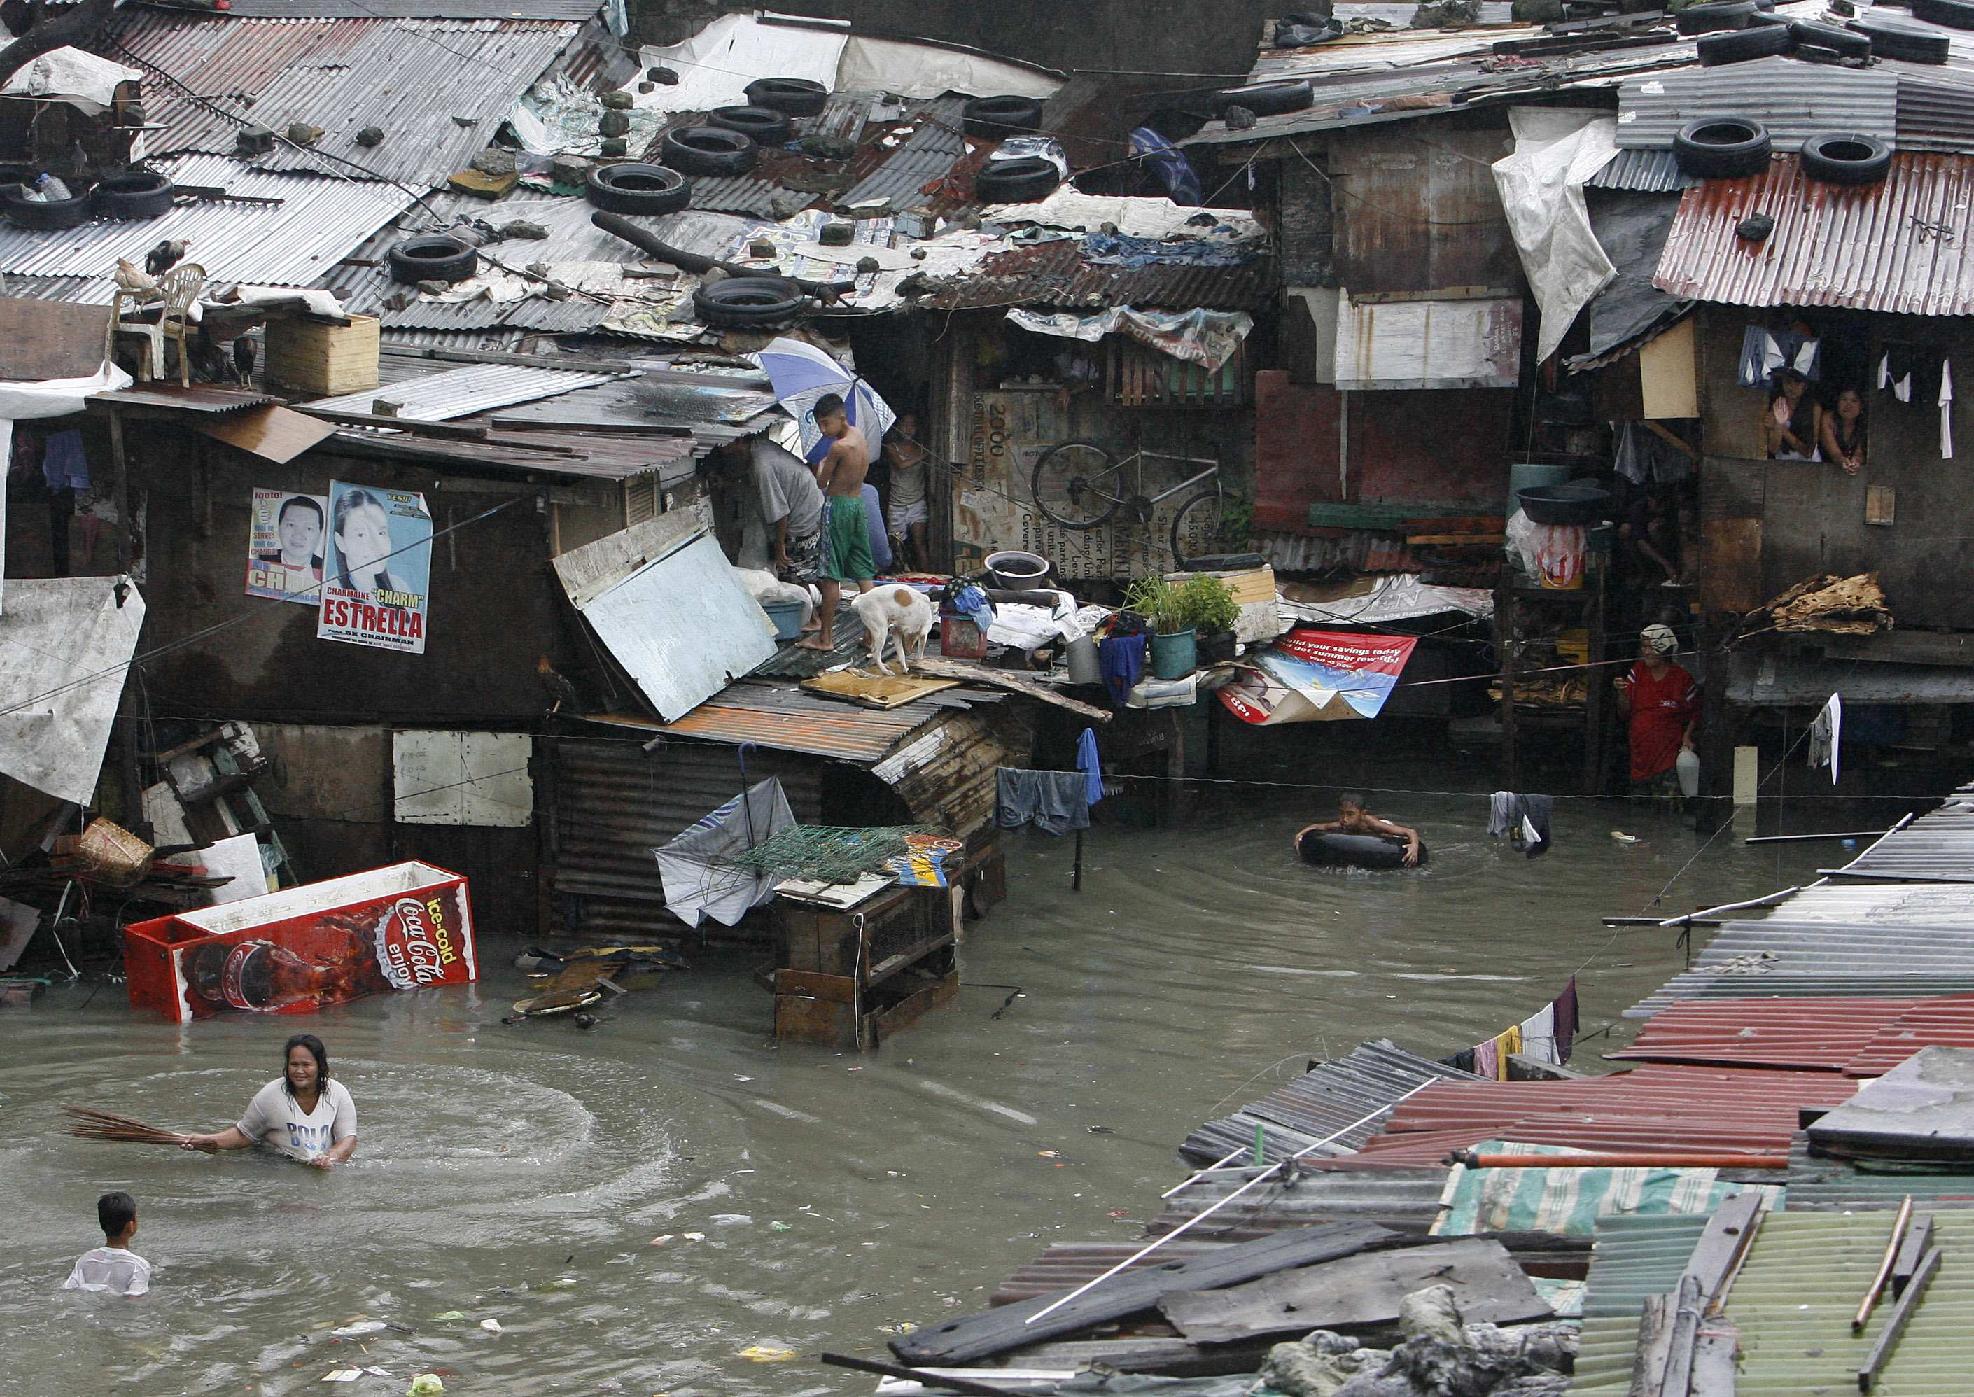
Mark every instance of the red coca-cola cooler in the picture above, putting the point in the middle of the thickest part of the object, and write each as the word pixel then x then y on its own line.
pixel 404 927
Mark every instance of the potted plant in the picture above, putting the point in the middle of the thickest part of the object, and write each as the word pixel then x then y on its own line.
pixel 1207 604
pixel 1174 648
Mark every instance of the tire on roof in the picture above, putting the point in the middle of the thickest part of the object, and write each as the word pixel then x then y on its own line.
pixel 708 150
pixel 1739 45
pixel 738 301
pixel 1018 181
pixel 637 188
pixel 1722 147
pixel 1846 157
pixel 433 257
pixel 794 96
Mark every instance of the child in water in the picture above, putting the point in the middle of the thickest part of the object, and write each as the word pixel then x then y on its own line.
pixel 113 1267
pixel 1353 818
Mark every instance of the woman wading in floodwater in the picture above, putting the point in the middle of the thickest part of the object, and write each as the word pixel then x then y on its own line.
pixel 301 1113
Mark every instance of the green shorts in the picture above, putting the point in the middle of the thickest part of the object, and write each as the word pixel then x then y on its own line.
pixel 846 553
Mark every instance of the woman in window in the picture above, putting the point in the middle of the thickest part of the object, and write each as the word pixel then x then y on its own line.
pixel 1789 427
pixel 1844 432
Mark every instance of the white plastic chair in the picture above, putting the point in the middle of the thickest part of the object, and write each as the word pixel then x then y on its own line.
pixel 173 299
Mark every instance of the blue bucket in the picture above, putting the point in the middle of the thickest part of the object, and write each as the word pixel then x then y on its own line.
pixel 787 616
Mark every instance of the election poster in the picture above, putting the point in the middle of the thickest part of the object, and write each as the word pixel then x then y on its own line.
pixel 1311 676
pixel 285 539
pixel 378 569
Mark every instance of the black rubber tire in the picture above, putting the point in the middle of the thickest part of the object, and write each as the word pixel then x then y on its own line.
pixel 1331 849
pixel 1763 19
pixel 998 117
pixel 1902 39
pixel 1846 158
pixel 792 96
pixel 139 194
pixel 48 217
pixel 637 188
pixel 708 150
pixel 762 125
pixel 1714 16
pixel 738 301
pixel 1831 37
pixel 1724 147
pixel 1266 99
pixel 1019 181
pixel 1739 45
pixel 433 257
pixel 1954 14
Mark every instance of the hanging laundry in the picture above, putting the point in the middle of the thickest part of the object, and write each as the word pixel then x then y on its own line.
pixel 1566 1021
pixel 1539 1034
pixel 64 465
pixel 1524 819
pixel 1895 370
pixel 1946 410
pixel 1764 351
pixel 1088 764
pixel 1826 734
pixel 1053 801
pixel 1462 1061
pixel 1487 1059
pixel 1506 1045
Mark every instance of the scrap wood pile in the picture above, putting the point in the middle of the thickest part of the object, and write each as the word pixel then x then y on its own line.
pixel 1830 605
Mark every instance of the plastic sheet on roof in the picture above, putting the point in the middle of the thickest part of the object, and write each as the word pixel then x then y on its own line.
pixel 1542 192
pixel 715 65
pixel 910 70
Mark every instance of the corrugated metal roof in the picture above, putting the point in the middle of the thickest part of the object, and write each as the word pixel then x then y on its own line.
pixel 1818 1184
pixel 1900 246
pixel 1405 1199
pixel 1935 114
pixel 1331 1097
pixel 1845 900
pixel 412 9
pixel 1632 1259
pixel 1055 274
pixel 1826 1034
pixel 784 717
pixel 1794 1297
pixel 1069 1264
pixel 927 155
pixel 1794 100
pixel 1642 172
pixel 1783 957
pixel 1939 844
pixel 298 242
pixel 451 393
pixel 440 88
pixel 1699 1108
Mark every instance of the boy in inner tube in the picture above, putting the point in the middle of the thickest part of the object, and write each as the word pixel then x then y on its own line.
pixel 1353 818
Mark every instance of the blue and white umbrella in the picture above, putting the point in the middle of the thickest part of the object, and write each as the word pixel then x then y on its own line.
pixel 802 375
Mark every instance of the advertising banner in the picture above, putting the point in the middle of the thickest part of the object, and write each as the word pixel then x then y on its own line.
pixel 403 927
pixel 284 546
pixel 1311 676
pixel 378 568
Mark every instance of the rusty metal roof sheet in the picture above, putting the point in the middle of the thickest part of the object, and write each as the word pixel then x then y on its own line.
pixel 1900 246
pixel 1332 1099
pixel 786 718
pixel 1857 1036
pixel 1055 274
pixel 927 155
pixel 471 388
pixel 296 242
pixel 412 9
pixel 1794 100
pixel 1702 1108
pixel 200 397
pixel 440 88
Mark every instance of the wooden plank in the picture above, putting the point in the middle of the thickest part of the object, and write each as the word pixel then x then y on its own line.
pixel 1713 1360
pixel 1684 1334
pixel 1648 1366
pixel 911 1009
pixel 1009 680
pixel 831 989
pixel 960 1341
pixel 1888 1339
pixel 1723 1243
pixel 1918 1240
pixel 1360 1290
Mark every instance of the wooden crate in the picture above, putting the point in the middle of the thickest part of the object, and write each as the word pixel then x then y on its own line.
pixel 316 356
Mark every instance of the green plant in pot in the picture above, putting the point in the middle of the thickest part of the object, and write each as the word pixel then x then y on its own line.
pixel 1207 604
pixel 1174 612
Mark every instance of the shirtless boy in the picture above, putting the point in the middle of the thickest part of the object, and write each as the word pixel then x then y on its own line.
pixel 846 534
pixel 1353 818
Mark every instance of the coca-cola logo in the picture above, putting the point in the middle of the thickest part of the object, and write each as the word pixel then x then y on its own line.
pixel 413 945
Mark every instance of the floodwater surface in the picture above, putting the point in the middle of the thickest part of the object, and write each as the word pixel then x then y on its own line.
pixel 641 1204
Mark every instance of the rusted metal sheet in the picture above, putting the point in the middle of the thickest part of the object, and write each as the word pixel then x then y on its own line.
pixel 1897 246
pixel 1860 1037
pixel 40 340
pixel 1419 215
pixel 1055 274
pixel 1295 450
pixel 785 718
pixel 200 397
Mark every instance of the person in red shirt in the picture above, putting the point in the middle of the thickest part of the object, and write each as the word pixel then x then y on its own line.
pixel 1659 699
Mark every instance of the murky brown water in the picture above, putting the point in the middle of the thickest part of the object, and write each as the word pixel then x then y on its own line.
pixel 521 1173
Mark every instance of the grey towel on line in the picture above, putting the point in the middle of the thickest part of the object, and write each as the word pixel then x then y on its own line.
pixel 1053 801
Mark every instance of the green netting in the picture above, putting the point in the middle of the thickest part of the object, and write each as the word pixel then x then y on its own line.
pixel 827 853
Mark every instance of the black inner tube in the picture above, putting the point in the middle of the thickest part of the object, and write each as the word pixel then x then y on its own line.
pixel 1334 849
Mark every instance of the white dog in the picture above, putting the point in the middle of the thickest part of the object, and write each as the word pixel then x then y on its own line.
pixel 901 613
pixel 765 587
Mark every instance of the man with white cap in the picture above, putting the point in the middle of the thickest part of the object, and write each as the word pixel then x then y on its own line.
pixel 1658 697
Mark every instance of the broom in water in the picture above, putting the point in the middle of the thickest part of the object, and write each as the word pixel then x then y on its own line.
pixel 90 1124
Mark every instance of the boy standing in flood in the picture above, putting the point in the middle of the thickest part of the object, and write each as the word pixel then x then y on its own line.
pixel 846 529
pixel 113 1267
